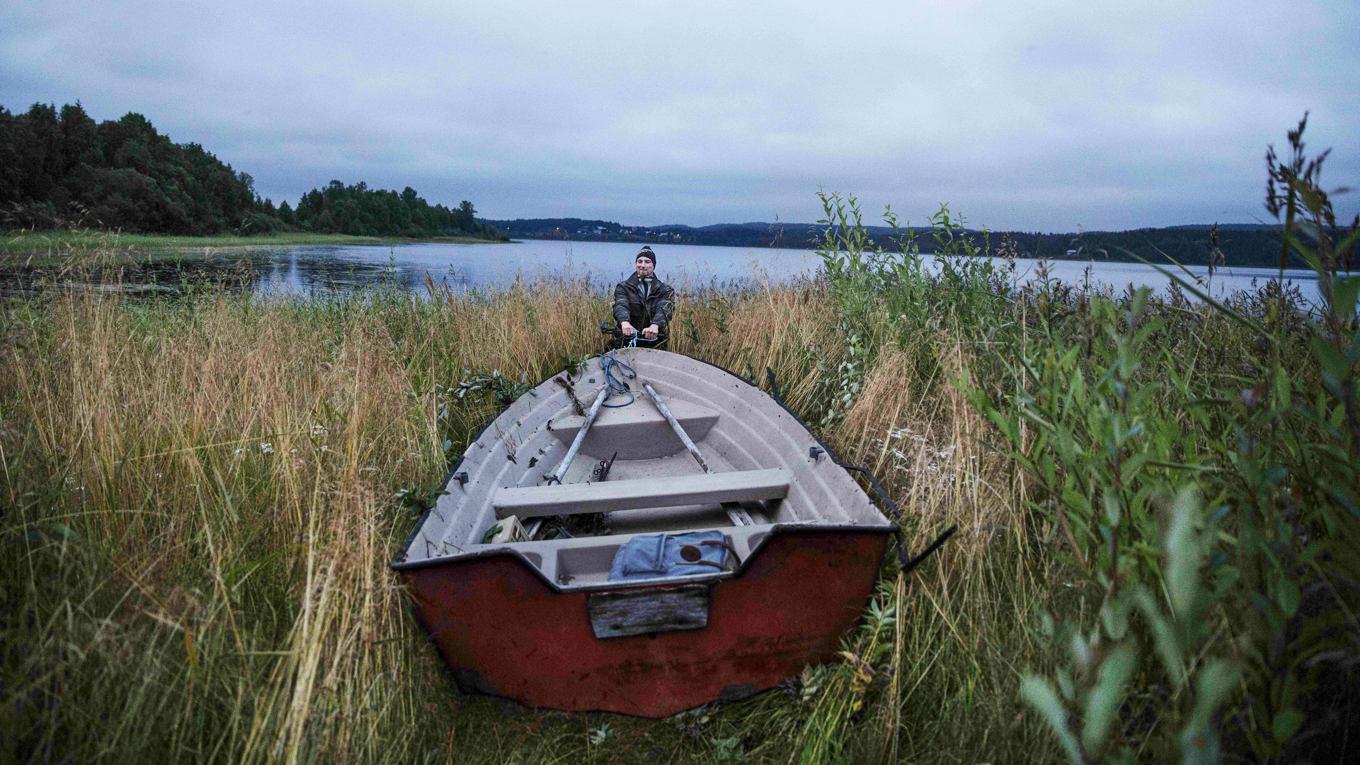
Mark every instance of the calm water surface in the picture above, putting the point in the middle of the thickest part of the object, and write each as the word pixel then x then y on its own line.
pixel 310 270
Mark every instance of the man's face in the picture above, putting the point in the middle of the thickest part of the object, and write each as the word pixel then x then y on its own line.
pixel 644 266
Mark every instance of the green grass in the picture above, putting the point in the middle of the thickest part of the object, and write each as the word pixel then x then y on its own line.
pixel 41 246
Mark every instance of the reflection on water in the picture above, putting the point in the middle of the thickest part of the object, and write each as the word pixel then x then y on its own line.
pixel 320 270
pixel 462 267
pixel 305 273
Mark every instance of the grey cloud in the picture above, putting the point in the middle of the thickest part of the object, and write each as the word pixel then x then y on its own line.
pixel 1042 115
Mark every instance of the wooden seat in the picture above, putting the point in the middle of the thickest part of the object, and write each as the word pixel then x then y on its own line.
pixel 698 489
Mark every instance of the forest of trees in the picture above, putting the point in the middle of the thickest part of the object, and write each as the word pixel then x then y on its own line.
pixel 61 169
pixel 359 210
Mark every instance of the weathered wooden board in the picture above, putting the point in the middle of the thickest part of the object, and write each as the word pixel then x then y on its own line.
pixel 608 496
pixel 640 612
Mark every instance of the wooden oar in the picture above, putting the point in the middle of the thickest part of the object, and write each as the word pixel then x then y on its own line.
pixel 581 432
pixel 738 516
pixel 561 470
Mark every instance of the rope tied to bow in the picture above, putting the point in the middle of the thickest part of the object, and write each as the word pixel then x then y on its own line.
pixel 617 373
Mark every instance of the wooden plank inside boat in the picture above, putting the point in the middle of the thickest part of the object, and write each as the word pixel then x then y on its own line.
pixel 700 489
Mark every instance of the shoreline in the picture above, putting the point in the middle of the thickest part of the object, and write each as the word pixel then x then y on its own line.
pixel 30 244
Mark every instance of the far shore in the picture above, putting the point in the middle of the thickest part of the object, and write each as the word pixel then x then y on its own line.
pixel 30 245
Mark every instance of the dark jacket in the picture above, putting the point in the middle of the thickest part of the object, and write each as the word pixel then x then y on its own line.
pixel 657 309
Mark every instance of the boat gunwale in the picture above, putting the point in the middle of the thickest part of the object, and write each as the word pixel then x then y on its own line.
pixel 402 564
pixel 779 529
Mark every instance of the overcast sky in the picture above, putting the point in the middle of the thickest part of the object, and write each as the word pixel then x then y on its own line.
pixel 1053 116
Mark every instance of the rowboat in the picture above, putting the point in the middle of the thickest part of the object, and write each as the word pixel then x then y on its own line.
pixel 642 534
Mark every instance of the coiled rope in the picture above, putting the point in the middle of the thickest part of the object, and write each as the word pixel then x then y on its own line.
pixel 616 376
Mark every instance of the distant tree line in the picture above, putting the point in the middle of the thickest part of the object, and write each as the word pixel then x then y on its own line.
pixel 59 168
pixel 362 211
pixel 1257 246
pixel 1240 245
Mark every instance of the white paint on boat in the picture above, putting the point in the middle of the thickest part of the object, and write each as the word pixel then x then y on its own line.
pixel 737 427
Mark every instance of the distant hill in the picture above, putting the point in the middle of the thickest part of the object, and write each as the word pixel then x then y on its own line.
pixel 790 235
pixel 1241 244
pixel 1229 226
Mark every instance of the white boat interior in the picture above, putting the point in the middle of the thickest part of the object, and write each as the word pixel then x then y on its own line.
pixel 764 469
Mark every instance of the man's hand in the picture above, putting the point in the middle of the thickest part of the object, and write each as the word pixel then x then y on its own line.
pixel 627 329
pixel 651 332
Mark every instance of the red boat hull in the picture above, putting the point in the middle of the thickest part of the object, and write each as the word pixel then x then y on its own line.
pixel 506 631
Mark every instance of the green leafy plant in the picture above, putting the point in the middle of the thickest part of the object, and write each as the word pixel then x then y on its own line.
pixel 419 497
pixel 501 389
pixel 1110 431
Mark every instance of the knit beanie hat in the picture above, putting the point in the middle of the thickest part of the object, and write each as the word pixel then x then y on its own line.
pixel 646 252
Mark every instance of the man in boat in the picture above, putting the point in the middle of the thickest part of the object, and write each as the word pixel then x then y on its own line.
pixel 643 304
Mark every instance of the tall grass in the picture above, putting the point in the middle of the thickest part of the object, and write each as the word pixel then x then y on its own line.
pixel 200 494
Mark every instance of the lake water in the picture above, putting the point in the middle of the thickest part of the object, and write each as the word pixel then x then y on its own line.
pixel 318 270
pixel 308 270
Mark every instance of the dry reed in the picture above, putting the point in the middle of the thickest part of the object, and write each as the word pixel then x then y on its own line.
pixel 202 494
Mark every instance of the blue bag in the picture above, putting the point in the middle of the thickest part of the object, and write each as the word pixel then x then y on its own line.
pixel 651 556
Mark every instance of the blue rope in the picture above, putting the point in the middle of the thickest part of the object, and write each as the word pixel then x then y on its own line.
pixel 616 376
